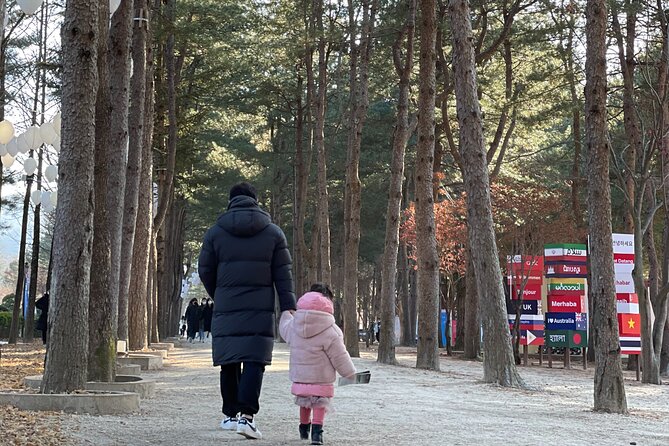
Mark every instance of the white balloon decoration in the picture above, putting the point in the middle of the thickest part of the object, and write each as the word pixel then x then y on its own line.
pixel 30 165
pixel 3 149
pixel 47 133
pixel 56 145
pixel 6 131
pixel 51 173
pixel 13 149
pixel 29 7
pixel 33 137
pixel 36 197
pixel 113 6
pixel 56 124
pixel 22 143
pixel 54 198
pixel 7 160
pixel 47 206
pixel 46 197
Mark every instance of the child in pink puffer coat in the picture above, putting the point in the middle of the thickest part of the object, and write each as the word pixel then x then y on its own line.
pixel 317 352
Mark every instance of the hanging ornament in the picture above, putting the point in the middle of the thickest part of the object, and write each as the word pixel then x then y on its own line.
pixel 51 173
pixel 54 198
pixel 45 197
pixel 21 144
pixel 13 149
pixel 56 124
pixel 56 145
pixel 113 6
pixel 6 131
pixel 33 137
pixel 7 160
pixel 36 197
pixel 48 133
pixel 29 7
pixel 30 166
pixel 3 149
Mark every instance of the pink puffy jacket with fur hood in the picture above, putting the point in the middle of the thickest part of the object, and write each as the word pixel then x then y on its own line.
pixel 317 348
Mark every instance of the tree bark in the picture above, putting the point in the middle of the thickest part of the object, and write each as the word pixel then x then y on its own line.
pixel 609 390
pixel 102 327
pixel 66 363
pixel 498 362
pixel 386 354
pixel 472 320
pixel 136 133
pixel 426 243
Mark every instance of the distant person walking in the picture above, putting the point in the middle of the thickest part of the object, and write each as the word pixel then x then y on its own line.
pixel 42 304
pixel 193 316
pixel 317 352
pixel 244 258
pixel 207 314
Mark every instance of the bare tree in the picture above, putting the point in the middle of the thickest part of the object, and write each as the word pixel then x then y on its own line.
pixel 498 365
pixel 66 364
pixel 426 243
pixel 403 69
pixel 609 390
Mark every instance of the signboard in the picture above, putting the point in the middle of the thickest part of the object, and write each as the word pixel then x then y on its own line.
pixel 566 270
pixel 630 345
pixel 566 338
pixel 565 253
pixel 624 283
pixel 529 270
pixel 527 307
pixel 530 292
pixel 623 243
pixel 574 304
pixel 563 286
pixel 629 324
pixel 566 321
pixel 528 321
pixel 531 337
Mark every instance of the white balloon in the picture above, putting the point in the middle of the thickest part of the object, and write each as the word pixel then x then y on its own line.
pixel 51 173
pixel 36 197
pixel 33 137
pixel 12 149
pixel 47 133
pixel 29 7
pixel 56 123
pixel 47 206
pixel 46 196
pixel 56 145
pixel 113 6
pixel 3 149
pixel 7 160
pixel 6 131
pixel 54 198
pixel 30 165
pixel 22 143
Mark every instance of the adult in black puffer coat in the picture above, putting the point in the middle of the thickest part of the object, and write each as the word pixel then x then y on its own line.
pixel 244 259
pixel 193 317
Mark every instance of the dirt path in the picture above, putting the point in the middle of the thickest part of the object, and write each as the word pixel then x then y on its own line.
pixel 401 406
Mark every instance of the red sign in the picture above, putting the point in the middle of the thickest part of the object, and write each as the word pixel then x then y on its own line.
pixel 629 324
pixel 534 279
pixel 556 293
pixel 566 269
pixel 521 268
pixel 630 298
pixel 623 259
pixel 530 292
pixel 567 304
pixel 531 337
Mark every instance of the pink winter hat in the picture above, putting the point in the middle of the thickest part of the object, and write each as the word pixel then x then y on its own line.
pixel 315 301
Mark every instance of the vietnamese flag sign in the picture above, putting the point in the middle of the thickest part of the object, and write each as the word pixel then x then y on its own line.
pixel 629 324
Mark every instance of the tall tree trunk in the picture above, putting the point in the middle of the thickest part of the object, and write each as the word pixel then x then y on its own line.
pixel 609 390
pixel 408 336
pixel 66 363
pixel 102 327
pixel 498 362
pixel 120 37
pixel 136 134
pixel 472 320
pixel 426 243
pixel 403 68
pixel 301 174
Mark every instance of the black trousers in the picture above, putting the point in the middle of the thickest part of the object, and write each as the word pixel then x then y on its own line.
pixel 240 387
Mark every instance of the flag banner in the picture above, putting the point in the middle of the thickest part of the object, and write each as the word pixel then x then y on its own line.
pixel 630 345
pixel 629 324
pixel 567 304
pixel 631 298
pixel 530 292
pixel 527 307
pixel 566 321
pixel 563 286
pixel 531 337
pixel 565 253
pixel 566 270
pixel 624 307
pixel 534 278
pixel 566 338
pixel 623 243
pixel 527 325
pixel 556 293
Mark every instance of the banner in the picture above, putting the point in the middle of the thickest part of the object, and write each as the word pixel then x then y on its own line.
pixel 574 304
pixel 566 321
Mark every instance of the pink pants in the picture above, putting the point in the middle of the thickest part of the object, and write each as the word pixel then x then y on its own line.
pixel 305 415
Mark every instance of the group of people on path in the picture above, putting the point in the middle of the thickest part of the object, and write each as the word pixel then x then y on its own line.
pixel 245 265
pixel 197 319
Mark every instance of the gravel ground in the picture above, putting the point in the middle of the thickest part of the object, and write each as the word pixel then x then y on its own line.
pixel 401 406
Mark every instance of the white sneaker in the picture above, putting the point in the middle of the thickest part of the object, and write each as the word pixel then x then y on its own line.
pixel 248 429
pixel 229 424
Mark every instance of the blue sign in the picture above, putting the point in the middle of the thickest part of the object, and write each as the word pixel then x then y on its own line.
pixel 528 306
pixel 443 328
pixel 566 321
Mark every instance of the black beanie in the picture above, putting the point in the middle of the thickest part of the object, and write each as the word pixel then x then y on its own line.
pixel 243 188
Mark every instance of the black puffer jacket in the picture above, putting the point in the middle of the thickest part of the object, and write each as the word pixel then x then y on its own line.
pixel 243 258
